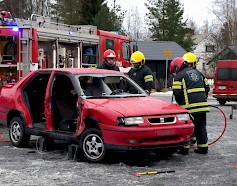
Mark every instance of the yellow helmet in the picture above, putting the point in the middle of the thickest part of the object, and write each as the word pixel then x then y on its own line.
pixel 137 57
pixel 190 57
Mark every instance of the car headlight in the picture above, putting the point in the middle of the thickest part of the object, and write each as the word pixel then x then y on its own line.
pixel 183 117
pixel 130 121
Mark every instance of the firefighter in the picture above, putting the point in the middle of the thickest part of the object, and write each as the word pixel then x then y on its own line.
pixel 109 61
pixel 192 62
pixel 141 74
pixel 190 89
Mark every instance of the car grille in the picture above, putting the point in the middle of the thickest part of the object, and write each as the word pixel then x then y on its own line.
pixel 162 120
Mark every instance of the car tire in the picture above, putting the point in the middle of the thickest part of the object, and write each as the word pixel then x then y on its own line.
pixel 92 145
pixel 164 153
pixel 222 101
pixel 17 134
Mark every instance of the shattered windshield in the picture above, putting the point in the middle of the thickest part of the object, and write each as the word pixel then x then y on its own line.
pixel 102 85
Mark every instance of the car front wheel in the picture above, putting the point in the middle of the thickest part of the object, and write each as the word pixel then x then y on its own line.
pixel 17 133
pixel 222 101
pixel 92 145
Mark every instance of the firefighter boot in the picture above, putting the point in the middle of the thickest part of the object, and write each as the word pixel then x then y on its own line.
pixel 193 140
pixel 184 150
pixel 201 150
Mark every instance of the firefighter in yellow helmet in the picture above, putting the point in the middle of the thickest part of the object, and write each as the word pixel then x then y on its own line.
pixel 190 90
pixel 191 59
pixel 140 73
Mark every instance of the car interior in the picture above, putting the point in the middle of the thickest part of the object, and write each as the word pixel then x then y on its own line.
pixel 34 95
pixel 64 104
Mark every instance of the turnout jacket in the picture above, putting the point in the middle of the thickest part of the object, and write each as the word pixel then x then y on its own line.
pixel 142 76
pixel 191 89
pixel 105 66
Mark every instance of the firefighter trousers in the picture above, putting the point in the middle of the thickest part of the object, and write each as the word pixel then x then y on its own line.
pixel 199 121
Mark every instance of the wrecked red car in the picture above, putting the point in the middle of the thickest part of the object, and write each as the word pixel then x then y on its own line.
pixel 91 109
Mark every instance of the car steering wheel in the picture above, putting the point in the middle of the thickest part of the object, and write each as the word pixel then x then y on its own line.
pixel 116 91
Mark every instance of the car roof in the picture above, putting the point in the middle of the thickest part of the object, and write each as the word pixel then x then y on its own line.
pixel 81 70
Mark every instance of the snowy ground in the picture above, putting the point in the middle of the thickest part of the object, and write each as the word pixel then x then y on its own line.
pixel 27 166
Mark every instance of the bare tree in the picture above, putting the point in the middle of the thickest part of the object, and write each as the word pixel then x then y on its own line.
pixel 134 25
pixel 225 12
pixel 24 8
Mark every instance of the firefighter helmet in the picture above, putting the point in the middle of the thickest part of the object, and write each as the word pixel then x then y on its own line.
pixel 176 64
pixel 137 57
pixel 190 57
pixel 109 54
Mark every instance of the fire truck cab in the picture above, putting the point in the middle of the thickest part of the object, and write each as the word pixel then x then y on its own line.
pixel 41 42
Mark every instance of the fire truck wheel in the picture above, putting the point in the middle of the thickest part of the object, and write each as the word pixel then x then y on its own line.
pixel 92 145
pixel 17 133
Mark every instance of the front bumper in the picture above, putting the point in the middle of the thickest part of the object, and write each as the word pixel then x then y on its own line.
pixel 128 138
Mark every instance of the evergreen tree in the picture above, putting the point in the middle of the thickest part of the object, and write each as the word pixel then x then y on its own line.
pixel 110 20
pixel 90 8
pixel 89 12
pixel 68 10
pixel 165 19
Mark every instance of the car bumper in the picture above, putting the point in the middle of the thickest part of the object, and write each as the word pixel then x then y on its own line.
pixel 142 138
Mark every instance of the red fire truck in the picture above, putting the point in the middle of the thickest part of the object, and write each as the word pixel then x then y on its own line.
pixel 40 42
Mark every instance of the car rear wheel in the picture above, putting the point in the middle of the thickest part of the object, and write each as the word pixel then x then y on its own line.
pixel 92 145
pixel 17 133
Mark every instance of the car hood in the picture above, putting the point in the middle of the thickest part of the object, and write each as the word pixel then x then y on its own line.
pixel 136 106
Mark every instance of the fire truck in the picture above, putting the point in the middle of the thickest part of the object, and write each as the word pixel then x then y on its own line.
pixel 42 42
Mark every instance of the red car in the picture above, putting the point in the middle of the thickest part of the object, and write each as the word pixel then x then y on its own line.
pixel 93 109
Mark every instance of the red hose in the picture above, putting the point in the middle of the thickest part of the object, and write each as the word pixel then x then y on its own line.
pixel 223 131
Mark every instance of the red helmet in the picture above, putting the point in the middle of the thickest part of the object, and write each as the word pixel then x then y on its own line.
pixel 109 54
pixel 176 64
pixel 5 14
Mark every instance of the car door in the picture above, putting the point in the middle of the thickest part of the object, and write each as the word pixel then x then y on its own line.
pixel 61 103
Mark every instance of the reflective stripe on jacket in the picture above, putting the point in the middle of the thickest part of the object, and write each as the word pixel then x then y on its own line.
pixel 142 76
pixel 190 89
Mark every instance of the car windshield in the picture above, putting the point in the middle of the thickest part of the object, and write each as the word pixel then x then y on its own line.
pixel 108 86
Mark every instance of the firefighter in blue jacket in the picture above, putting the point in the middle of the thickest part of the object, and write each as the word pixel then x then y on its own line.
pixel 190 89
pixel 141 74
